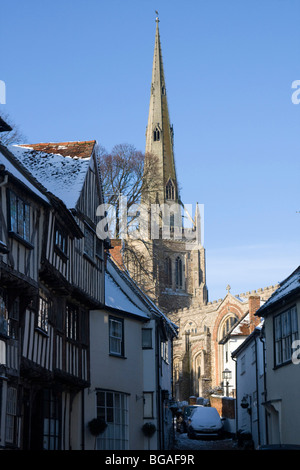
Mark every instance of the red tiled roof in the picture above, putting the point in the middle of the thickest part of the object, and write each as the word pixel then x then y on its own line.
pixel 67 149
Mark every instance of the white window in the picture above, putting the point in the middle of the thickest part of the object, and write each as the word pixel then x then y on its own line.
pixel 113 408
pixel 116 336
pixel 11 413
pixel 285 332
pixel 164 350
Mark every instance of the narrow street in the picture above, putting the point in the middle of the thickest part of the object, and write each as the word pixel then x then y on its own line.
pixel 182 442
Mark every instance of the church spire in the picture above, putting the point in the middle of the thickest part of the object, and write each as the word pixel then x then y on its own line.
pixel 159 133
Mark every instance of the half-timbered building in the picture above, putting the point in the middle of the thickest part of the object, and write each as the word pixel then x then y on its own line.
pixel 52 274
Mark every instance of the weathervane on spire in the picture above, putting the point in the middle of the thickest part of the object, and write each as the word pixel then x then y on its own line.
pixel 157 18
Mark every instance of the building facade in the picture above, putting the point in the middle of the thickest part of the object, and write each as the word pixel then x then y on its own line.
pixel 282 374
pixel 131 383
pixel 250 388
pixel 167 259
pixel 52 274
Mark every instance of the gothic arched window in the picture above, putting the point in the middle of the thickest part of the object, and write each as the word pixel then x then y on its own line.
pixel 170 190
pixel 168 272
pixel 178 267
pixel 156 135
pixel 228 324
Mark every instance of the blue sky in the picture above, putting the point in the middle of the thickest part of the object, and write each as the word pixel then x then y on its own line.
pixel 80 70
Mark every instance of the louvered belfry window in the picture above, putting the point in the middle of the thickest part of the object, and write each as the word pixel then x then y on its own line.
pixel 170 190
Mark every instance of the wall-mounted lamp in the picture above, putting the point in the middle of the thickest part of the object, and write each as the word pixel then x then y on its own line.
pixel 227 374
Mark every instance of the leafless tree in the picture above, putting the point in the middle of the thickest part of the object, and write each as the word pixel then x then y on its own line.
pixel 126 172
pixel 15 136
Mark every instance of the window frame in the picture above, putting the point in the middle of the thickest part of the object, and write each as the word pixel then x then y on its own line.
pixel 113 338
pixel 170 190
pixel 148 398
pixel 43 312
pixel 61 241
pixel 19 216
pixel 179 273
pixel 156 134
pixel 146 344
pixel 168 272
pixel 89 243
pixel 72 324
pixel 113 407
pixel 282 339
pixel 11 416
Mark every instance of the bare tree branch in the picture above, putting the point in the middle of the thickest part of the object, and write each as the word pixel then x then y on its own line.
pixel 127 172
pixel 14 136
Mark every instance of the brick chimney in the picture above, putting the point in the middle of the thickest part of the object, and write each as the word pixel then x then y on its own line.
pixel 116 252
pixel 254 304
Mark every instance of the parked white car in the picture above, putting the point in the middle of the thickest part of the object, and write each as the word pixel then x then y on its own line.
pixel 204 421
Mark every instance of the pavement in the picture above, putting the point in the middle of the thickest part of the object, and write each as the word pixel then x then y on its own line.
pixel 182 442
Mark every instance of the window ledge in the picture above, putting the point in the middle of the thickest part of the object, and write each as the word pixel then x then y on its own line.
pixel 61 254
pixel 41 331
pixel 117 355
pixel 17 237
pixel 278 366
pixel 3 248
pixel 89 259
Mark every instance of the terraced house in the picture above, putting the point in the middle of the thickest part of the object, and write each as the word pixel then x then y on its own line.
pixel 78 339
pixel 52 274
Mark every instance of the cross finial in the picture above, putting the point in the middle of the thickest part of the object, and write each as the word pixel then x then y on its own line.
pixel 228 288
pixel 157 18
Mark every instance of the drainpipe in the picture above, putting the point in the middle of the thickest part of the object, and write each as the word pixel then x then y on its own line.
pixel 236 396
pixel 262 339
pixel 82 420
pixel 258 400
pixel 158 397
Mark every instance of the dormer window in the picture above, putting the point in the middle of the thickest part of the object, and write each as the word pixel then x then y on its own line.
pixel 156 135
pixel 170 190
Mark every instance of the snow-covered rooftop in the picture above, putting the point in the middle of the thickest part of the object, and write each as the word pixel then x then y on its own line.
pixel 13 170
pixel 116 298
pixel 287 287
pixel 61 167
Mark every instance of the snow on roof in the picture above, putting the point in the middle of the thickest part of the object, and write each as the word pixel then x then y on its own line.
pixel 239 327
pixel 13 170
pixel 150 305
pixel 287 287
pixel 116 298
pixel 61 167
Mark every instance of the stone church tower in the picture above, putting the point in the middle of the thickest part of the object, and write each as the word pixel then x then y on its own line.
pixel 167 260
